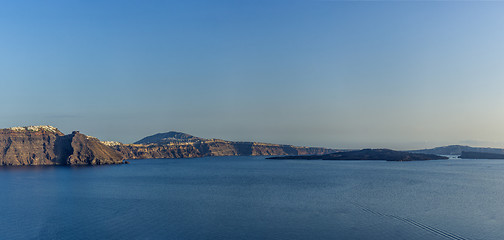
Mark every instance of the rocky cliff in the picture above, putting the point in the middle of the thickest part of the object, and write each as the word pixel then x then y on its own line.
pixel 90 151
pixel 46 145
pixel 211 147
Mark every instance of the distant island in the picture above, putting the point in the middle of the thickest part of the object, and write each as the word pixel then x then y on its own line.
pixel 457 150
pixel 369 154
pixel 481 155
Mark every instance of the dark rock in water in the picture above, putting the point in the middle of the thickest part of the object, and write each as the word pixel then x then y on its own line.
pixel 46 145
pixel 369 154
pixel 481 155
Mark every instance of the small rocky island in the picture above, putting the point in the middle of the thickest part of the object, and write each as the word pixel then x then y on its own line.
pixel 458 149
pixel 481 155
pixel 369 154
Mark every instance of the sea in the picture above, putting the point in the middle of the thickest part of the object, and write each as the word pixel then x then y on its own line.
pixel 255 198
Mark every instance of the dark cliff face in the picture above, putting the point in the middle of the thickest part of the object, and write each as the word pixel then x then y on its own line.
pixel 212 148
pixel 46 145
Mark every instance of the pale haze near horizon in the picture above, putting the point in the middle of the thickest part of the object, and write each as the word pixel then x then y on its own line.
pixel 341 74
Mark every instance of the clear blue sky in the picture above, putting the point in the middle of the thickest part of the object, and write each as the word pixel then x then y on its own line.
pixel 343 74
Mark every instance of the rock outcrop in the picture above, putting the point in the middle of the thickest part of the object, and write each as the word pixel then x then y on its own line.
pixel 46 145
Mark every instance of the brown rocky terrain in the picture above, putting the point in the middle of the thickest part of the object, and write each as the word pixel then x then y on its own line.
pixel 46 145
pixel 89 150
pixel 211 147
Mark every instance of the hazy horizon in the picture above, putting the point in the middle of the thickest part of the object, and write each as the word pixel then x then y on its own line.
pixel 339 74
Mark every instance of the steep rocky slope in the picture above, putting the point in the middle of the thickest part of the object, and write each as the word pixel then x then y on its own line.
pixel 46 145
pixel 90 151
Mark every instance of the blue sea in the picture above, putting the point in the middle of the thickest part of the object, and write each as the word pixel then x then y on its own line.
pixel 255 198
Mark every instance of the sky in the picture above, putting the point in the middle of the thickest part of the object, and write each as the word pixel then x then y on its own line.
pixel 340 74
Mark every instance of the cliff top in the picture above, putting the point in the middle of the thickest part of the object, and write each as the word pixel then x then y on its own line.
pixel 34 129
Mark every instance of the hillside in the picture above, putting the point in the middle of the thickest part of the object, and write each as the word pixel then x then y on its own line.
pixel 169 137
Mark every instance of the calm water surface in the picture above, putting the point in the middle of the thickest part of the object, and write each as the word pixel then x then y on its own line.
pixel 254 198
